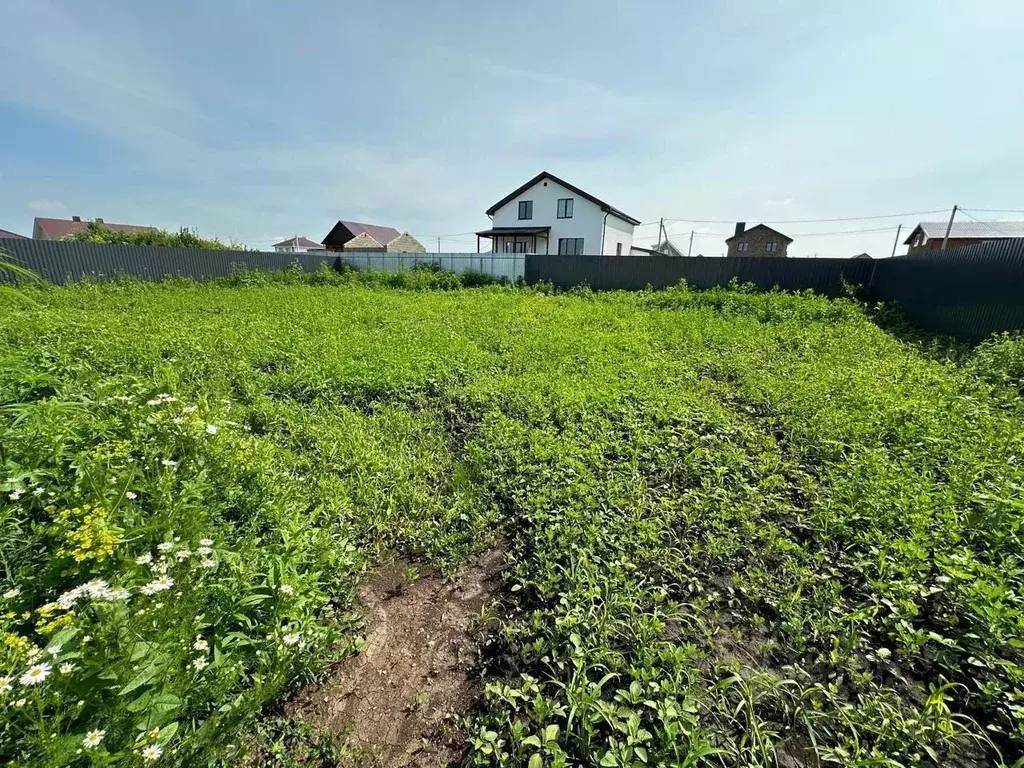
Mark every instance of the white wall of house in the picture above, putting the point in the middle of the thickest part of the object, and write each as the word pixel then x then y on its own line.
pixel 588 220
pixel 617 233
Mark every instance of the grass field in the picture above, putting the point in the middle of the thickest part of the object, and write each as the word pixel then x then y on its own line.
pixel 739 529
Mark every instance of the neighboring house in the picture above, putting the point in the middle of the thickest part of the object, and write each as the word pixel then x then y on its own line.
pixel 548 215
pixel 297 244
pixel 8 235
pixel 354 236
pixel 861 256
pixel 757 241
pixel 668 248
pixel 58 229
pixel 928 235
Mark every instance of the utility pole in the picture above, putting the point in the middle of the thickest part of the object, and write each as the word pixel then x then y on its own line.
pixel 690 249
pixel 439 245
pixel 661 233
pixel 897 240
pixel 948 227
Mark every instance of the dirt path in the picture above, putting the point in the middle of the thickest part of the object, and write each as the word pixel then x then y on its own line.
pixel 400 702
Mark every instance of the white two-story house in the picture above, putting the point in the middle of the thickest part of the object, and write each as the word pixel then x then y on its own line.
pixel 548 215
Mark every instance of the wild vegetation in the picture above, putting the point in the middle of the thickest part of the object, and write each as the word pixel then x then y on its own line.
pixel 739 528
pixel 97 232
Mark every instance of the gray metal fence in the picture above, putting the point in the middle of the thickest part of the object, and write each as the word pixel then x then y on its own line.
pixel 60 262
pixel 511 266
pixel 635 272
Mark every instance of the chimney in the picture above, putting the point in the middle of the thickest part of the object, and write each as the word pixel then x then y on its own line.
pixel 76 218
pixel 740 227
pixel 98 220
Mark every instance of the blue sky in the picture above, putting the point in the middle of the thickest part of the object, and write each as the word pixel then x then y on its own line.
pixel 258 120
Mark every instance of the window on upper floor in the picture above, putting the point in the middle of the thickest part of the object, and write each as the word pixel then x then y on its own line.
pixel 771 247
pixel 743 247
pixel 525 209
pixel 618 249
pixel 570 246
pixel 565 207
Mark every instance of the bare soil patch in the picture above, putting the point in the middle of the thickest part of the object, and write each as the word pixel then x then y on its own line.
pixel 400 702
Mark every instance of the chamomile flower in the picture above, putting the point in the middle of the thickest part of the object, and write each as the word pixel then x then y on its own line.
pixel 158 585
pixel 66 668
pixel 183 554
pixel 190 409
pixel 131 495
pixel 34 653
pixel 211 429
pixel 206 542
pixel 144 559
pixel 97 589
pixel 119 594
pixel 286 589
pixel 200 663
pixel 15 494
pixel 54 650
pixel 292 638
pixel 38 490
pixel 204 551
pixel 200 644
pixel 165 546
pixel 93 739
pixel 10 594
pixel 36 674
pixel 208 563
pixel 152 753
pixel 5 685
pixel 169 462
pixel 20 703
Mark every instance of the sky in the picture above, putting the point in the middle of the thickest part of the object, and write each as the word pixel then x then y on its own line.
pixel 255 121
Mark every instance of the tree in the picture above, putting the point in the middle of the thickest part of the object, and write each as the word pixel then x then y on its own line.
pixel 96 232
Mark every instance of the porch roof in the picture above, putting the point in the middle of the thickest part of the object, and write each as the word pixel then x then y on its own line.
pixel 503 231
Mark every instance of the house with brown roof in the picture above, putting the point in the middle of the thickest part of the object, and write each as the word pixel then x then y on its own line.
pixel 928 235
pixel 760 240
pixel 6 234
pixel 356 236
pixel 297 244
pixel 58 229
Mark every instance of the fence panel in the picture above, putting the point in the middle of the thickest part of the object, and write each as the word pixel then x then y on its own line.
pixel 511 266
pixel 636 272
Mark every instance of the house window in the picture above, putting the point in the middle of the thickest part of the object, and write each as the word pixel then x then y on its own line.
pixel 743 247
pixel 525 209
pixel 565 208
pixel 515 247
pixel 771 247
pixel 570 246
pixel 618 249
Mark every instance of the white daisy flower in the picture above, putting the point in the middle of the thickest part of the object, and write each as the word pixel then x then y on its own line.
pixel 11 593
pixel 54 650
pixel 190 409
pixel 286 589
pixel 119 594
pixel 131 495
pixel 144 559
pixel 20 703
pixel 211 429
pixel 34 653
pixel 178 420
pixel 168 463
pixel 152 753
pixel 15 494
pixel 36 674
pixel 200 663
pixel 5 685
pixel 200 644
pixel 183 554
pixel 204 551
pixel 165 546
pixel 38 490
pixel 66 668
pixel 93 739
pixel 208 563
pixel 292 638
pixel 97 589
pixel 206 542
pixel 159 585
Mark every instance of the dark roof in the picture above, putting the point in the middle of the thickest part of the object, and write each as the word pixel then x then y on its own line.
pixel 980 230
pixel 6 233
pixel 861 256
pixel 382 235
pixel 55 229
pixel 514 231
pixel 745 232
pixel 299 241
pixel 586 195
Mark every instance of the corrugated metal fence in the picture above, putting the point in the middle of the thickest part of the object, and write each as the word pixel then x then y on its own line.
pixel 969 292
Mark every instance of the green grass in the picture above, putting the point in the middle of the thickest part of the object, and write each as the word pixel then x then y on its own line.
pixel 740 529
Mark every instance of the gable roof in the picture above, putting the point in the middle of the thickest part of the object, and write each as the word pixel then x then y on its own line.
pixel 982 230
pixel 382 235
pixel 668 248
pixel 585 195
pixel 6 233
pixel 298 241
pixel 55 229
pixel 746 232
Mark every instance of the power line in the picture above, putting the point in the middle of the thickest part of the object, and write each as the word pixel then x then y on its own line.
pixel 994 210
pixel 816 221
